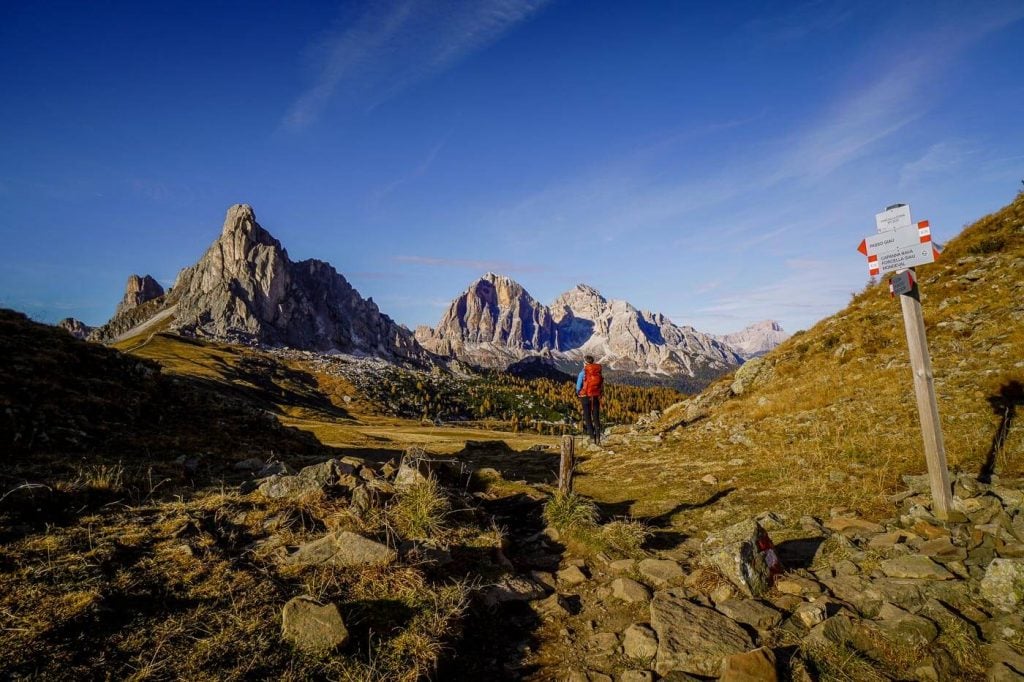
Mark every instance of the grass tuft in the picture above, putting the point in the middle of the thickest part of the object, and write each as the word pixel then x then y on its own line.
pixel 419 511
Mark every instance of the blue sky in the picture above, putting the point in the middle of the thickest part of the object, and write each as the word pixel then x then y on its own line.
pixel 717 162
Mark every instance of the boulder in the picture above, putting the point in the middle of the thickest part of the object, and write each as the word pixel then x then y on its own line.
pixel 311 627
pixel 1003 584
pixel 752 666
pixel 692 638
pixel 341 549
pixel 744 554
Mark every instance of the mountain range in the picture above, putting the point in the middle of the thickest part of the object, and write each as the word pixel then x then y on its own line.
pixel 245 289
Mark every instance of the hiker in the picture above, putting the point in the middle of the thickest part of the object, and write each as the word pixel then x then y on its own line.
pixel 589 385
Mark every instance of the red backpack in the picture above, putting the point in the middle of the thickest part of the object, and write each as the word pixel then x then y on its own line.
pixel 593 382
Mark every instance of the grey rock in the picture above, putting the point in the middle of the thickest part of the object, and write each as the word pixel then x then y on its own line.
pixel 751 666
pixel 512 588
pixel 692 638
pixel 76 328
pixel 906 628
pixel 571 575
pixel 311 627
pixel 640 641
pixel 342 549
pixel 750 612
pixel 630 590
pixel 1003 584
pixel 660 571
pixel 915 566
pixel 734 551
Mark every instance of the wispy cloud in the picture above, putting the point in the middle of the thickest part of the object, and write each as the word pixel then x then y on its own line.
pixel 940 158
pixel 393 44
pixel 497 266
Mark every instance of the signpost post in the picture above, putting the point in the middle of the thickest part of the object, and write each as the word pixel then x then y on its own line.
pixel 900 245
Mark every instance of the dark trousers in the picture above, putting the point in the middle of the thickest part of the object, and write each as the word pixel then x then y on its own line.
pixel 591 416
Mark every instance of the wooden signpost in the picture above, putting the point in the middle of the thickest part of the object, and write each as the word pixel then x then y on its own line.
pixel 567 465
pixel 899 246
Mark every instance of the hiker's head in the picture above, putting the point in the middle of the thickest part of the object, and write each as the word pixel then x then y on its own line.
pixel 589 359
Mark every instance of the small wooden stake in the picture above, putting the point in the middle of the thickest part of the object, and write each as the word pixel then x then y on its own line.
pixel 567 465
pixel 927 408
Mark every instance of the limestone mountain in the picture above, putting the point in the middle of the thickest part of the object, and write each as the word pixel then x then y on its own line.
pixel 756 339
pixel 246 289
pixel 496 323
pixel 143 298
pixel 493 322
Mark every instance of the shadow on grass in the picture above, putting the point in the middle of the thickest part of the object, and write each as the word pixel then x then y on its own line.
pixel 1005 405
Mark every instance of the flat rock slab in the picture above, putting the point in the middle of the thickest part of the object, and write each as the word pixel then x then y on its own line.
pixel 513 588
pixel 751 612
pixel 853 526
pixel 312 627
pixel 915 566
pixel 572 575
pixel 660 571
pixel 342 549
pixel 691 638
pixel 753 666
pixel 942 550
pixel 639 641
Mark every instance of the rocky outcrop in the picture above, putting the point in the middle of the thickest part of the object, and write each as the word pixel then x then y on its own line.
pixel 755 340
pixel 76 328
pixel 312 627
pixel 137 291
pixel 246 289
pixel 496 323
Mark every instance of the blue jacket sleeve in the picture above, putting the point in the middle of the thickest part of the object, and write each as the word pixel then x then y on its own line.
pixel 579 381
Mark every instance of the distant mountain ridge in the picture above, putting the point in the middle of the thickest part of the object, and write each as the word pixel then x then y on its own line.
pixel 495 322
pixel 756 339
pixel 246 289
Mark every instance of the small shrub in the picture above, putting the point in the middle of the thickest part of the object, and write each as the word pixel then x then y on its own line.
pixel 625 537
pixel 419 511
pixel 570 512
pixel 987 245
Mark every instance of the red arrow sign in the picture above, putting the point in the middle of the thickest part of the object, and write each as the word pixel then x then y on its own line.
pixel 863 247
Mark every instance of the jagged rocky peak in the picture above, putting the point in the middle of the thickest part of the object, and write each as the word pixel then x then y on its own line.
pixel 139 290
pixel 582 301
pixel 245 288
pixel 494 310
pixel 76 328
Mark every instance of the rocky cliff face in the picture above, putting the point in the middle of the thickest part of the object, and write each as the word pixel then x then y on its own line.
pixel 139 290
pixel 246 289
pixel 497 323
pixel 76 328
pixel 757 339
pixel 493 320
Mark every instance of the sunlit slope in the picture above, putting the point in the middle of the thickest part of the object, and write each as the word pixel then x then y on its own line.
pixel 829 418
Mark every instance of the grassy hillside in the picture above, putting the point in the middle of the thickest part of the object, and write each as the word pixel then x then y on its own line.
pixel 829 418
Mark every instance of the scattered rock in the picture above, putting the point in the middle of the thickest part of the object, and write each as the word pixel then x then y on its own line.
pixel 692 638
pixel 311 627
pixel 554 606
pixel 639 641
pixel 752 666
pixel 1003 584
pixel 811 613
pixel 660 571
pixel 750 612
pixel 572 575
pixel 636 676
pixel 906 628
pixel 512 588
pixel 915 566
pixel 342 549
pixel 630 590
pixel 852 526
